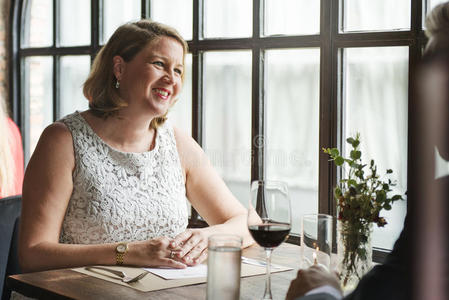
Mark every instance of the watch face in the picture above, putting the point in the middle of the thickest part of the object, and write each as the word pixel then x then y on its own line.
pixel 121 248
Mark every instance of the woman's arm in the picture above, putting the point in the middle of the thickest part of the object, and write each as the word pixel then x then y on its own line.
pixel 46 193
pixel 210 196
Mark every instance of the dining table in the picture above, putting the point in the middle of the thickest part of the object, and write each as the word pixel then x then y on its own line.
pixel 70 284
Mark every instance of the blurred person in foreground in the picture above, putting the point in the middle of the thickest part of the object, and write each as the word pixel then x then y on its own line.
pixel 11 155
pixel 110 185
pixel 417 267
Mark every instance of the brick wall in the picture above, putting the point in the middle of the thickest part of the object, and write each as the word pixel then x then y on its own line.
pixel 4 27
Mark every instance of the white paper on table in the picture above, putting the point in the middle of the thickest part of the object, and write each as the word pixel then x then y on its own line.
pixel 261 263
pixel 189 272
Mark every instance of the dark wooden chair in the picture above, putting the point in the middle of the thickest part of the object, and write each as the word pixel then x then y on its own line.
pixel 10 208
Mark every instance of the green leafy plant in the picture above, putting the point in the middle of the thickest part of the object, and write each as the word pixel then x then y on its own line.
pixel 361 195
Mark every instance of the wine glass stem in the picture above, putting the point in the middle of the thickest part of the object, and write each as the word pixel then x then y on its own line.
pixel 267 295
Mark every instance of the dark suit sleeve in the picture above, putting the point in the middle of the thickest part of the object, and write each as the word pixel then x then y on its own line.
pixel 390 280
pixel 319 296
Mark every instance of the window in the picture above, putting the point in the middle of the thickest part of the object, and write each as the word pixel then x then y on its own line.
pixel 267 85
pixel 375 104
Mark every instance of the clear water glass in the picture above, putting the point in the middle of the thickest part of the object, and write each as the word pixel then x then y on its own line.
pixel 223 267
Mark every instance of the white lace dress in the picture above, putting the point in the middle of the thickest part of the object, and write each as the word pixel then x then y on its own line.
pixel 120 196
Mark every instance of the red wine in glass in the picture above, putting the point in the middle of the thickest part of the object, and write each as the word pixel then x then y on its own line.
pixel 269 219
pixel 270 235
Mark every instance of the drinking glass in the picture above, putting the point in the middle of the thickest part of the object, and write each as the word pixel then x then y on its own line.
pixel 223 267
pixel 316 240
pixel 269 219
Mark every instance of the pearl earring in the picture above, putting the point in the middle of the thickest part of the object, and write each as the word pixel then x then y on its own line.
pixel 117 84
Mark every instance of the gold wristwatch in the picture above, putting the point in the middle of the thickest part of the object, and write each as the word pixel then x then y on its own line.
pixel 120 252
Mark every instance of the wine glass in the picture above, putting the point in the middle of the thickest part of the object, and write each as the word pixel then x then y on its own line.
pixel 269 219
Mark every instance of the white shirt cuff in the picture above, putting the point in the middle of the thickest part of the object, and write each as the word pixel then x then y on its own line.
pixel 326 289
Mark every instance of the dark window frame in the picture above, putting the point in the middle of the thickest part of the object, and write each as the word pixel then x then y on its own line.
pixel 330 41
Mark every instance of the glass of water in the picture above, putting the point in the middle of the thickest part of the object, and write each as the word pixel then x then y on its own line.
pixel 223 267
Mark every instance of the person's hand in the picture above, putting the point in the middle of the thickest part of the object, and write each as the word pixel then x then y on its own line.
pixel 156 252
pixel 190 246
pixel 308 279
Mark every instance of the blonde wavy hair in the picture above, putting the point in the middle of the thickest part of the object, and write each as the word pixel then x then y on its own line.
pixel 127 41
pixel 6 159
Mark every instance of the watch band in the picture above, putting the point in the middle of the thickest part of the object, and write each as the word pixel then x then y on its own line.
pixel 120 252
pixel 119 258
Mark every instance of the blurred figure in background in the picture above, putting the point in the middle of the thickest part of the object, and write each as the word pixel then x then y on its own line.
pixel 11 155
pixel 417 268
pixel 431 276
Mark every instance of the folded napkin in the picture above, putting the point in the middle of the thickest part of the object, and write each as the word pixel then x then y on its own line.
pixel 153 282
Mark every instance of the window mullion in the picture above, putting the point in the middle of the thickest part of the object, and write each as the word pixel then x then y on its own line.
pixel 55 80
pixel 258 128
pixel 145 6
pixel 24 85
pixel 56 21
pixel 56 58
pixel 258 20
pixel 198 23
pixel 15 82
pixel 56 87
pixel 197 85
pixel 328 104
pixel 415 53
pixel 96 23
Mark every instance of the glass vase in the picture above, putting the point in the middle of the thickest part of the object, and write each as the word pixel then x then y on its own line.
pixel 354 252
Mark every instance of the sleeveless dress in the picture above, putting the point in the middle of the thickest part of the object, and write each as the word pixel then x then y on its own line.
pixel 119 196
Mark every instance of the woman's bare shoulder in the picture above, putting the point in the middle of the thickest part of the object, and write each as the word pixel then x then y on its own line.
pixel 190 152
pixel 57 130
pixel 184 141
pixel 55 142
pixel 187 146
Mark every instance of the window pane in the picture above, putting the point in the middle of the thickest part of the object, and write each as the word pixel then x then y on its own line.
pixel 176 13
pixel 372 15
pixel 116 13
pixel 293 78
pixel 231 18
pixel 73 72
pixel 181 113
pixel 376 88
pixel 292 17
pixel 227 104
pixel 38 97
pixel 74 17
pixel 37 30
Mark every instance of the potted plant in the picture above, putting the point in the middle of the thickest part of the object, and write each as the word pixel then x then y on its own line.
pixel 360 197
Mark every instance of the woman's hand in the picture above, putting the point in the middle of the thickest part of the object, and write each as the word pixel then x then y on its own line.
pixel 156 252
pixel 190 247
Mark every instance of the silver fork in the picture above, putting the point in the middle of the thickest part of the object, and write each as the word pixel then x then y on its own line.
pixel 123 277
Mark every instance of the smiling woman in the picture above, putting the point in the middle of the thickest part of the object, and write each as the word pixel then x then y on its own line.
pixel 102 86
pixel 110 185
pixel 153 78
